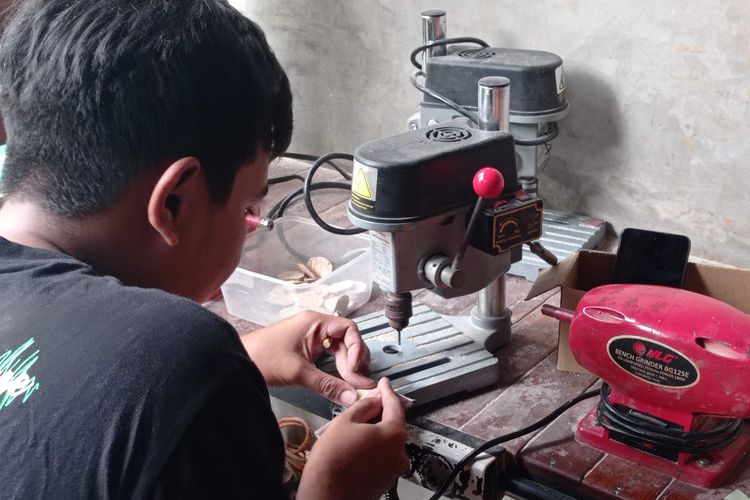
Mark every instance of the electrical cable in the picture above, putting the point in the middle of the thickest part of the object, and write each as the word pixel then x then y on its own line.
pixel 308 188
pixel 441 42
pixel 455 106
pixel 284 178
pixel 278 209
pixel 657 433
pixel 507 437
pixel 312 158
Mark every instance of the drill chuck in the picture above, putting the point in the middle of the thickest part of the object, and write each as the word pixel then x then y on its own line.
pixel 398 310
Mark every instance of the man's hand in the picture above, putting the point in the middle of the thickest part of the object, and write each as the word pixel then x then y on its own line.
pixel 285 351
pixel 357 459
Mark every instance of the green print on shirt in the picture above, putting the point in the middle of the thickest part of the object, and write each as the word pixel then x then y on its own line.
pixel 14 377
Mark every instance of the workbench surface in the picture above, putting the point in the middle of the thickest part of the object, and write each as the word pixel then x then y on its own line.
pixel 530 386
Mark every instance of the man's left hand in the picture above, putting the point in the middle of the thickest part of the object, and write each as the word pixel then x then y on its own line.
pixel 285 353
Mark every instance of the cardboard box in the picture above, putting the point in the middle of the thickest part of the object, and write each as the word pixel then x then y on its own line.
pixel 589 269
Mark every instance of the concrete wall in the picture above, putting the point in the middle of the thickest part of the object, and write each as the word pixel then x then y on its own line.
pixel 657 136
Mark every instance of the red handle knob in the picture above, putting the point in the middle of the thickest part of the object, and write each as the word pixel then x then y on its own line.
pixel 488 183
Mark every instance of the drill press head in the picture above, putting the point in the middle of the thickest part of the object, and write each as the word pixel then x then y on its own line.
pixel 414 193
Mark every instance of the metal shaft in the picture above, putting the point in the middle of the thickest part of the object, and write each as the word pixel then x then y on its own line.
pixel 433 28
pixel 494 103
pixel 467 235
pixel 491 299
pixel 564 315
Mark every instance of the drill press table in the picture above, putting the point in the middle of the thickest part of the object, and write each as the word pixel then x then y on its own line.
pixel 530 388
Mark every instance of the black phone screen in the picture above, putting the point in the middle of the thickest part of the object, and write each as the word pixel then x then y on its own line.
pixel 651 258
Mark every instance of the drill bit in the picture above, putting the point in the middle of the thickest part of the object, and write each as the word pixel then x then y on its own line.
pixel 398 311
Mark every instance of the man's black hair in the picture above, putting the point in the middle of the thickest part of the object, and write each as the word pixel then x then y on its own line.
pixel 96 92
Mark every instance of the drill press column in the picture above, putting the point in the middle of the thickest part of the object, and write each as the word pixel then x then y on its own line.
pixel 490 312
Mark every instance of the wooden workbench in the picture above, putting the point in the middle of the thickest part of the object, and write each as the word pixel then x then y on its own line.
pixel 530 387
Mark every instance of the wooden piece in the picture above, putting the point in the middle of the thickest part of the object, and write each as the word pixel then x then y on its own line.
pixel 306 271
pixel 737 482
pixel 613 477
pixel 533 397
pixel 554 452
pixel 534 339
pixel 291 275
pixel 321 266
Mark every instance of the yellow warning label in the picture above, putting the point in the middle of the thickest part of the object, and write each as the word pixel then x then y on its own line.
pixel 360 186
pixel 560 78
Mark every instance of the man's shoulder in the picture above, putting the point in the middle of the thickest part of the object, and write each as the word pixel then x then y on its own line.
pixel 174 332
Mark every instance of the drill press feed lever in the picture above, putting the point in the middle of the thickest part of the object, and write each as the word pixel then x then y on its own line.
pixel 674 360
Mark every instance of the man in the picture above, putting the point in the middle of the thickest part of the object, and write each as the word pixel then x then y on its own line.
pixel 139 137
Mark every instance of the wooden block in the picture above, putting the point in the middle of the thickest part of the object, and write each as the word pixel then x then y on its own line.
pixel 533 397
pixel 555 455
pixel 738 482
pixel 534 339
pixel 677 490
pixel 613 477
pixel 531 344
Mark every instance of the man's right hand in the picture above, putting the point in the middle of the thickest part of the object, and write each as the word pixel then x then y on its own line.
pixel 357 459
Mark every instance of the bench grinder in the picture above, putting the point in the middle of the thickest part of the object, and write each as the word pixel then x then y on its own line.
pixel 675 367
pixel 445 212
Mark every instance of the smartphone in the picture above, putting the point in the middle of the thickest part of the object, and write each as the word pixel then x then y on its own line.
pixel 651 258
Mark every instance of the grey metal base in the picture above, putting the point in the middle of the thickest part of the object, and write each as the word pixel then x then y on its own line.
pixel 435 359
pixel 563 234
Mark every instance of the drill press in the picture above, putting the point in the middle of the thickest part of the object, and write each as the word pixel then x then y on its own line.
pixel 445 212
pixel 451 68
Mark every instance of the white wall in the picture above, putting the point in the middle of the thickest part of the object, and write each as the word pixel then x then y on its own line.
pixel 657 136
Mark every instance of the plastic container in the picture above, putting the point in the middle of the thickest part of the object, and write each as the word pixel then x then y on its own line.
pixel 255 293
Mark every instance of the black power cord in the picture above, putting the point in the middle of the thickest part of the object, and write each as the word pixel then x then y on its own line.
pixel 440 97
pixel 309 187
pixel 312 158
pixel 280 207
pixel 442 42
pixel 662 435
pixel 508 437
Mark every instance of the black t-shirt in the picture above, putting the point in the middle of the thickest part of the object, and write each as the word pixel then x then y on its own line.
pixel 109 391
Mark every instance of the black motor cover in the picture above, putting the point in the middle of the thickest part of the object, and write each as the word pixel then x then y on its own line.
pixel 536 79
pixel 422 173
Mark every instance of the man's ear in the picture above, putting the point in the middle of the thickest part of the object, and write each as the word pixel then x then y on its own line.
pixel 177 185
